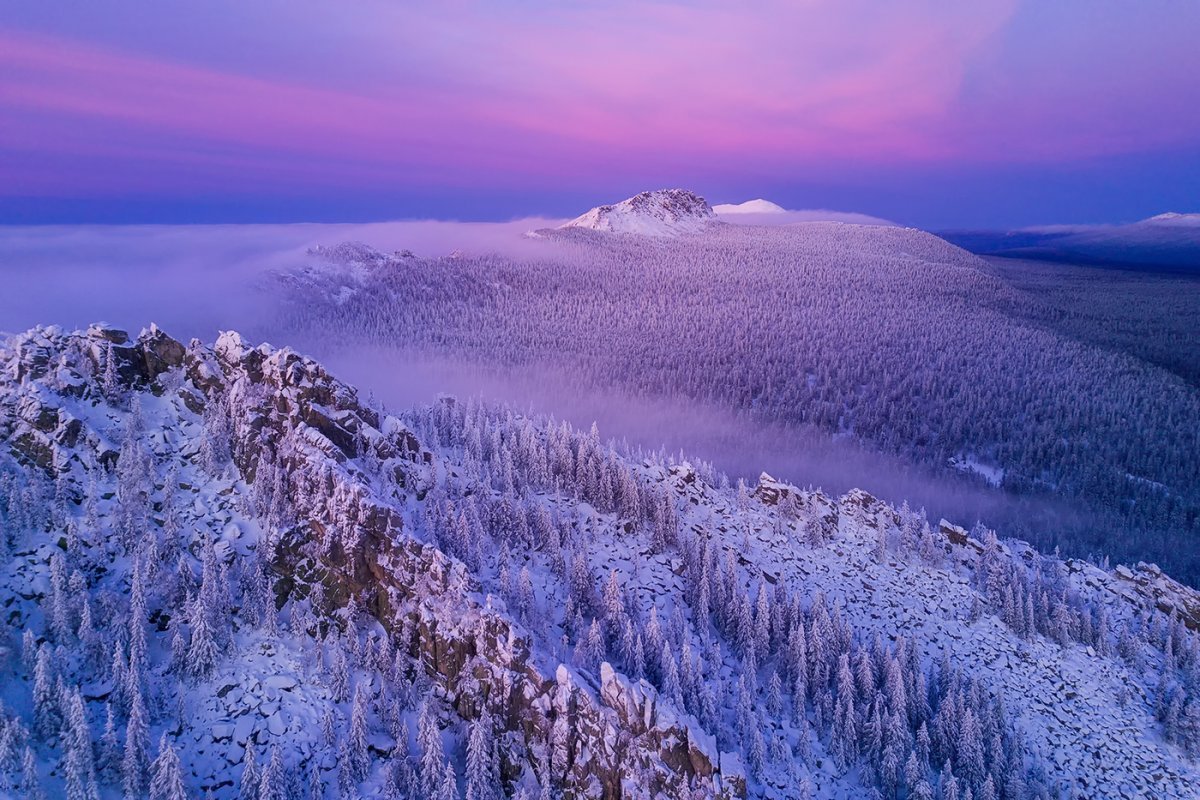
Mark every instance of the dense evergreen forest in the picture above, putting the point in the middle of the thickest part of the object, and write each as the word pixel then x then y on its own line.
pixel 892 336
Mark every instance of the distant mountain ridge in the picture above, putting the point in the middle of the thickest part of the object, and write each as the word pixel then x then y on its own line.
pixel 1170 240
pixel 1173 218
pixel 671 212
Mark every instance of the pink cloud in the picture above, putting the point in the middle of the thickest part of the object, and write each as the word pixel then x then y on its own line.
pixel 462 93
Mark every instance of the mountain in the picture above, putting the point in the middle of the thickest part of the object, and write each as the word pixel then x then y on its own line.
pixel 887 339
pixel 665 212
pixel 1174 218
pixel 224 574
pixel 759 206
pixel 1169 241
pixel 764 212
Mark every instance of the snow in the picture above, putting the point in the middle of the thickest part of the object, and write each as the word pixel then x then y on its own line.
pixel 661 213
pixel 276 683
pixel 758 206
pixel 991 473
pixel 1174 218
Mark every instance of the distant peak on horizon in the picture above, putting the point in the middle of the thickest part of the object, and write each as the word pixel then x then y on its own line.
pixel 1173 218
pixel 662 212
pixel 757 206
pixel 1167 219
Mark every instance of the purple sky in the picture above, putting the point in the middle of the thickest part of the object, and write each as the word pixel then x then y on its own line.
pixel 993 112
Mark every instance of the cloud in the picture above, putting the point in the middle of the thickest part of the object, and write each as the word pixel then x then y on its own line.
pixel 275 99
pixel 530 91
pixel 194 280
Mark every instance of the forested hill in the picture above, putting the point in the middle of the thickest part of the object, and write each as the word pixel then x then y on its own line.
pixel 224 574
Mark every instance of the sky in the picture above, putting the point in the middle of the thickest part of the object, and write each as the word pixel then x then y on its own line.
pixel 993 113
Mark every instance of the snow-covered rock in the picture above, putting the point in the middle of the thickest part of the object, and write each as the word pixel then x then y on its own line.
pixel 665 212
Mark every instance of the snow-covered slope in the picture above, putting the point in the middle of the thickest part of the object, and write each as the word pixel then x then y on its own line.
pixel 665 212
pixel 758 206
pixel 222 573
pixel 338 272
pixel 764 212
pixel 1174 218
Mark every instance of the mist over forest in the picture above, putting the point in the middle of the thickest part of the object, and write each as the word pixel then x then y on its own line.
pixel 828 355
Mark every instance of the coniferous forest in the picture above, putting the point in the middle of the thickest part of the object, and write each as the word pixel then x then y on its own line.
pixel 890 336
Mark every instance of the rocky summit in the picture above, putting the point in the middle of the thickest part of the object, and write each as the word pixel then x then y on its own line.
pixel 665 212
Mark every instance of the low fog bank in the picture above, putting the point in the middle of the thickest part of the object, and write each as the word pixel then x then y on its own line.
pixel 735 444
pixel 194 280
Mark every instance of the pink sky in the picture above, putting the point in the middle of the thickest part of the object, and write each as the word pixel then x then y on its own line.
pixel 120 100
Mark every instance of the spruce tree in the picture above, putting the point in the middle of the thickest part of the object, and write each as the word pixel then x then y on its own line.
pixel 339 677
pixel 359 755
pixel 80 766
pixel 135 761
pixel 483 777
pixel 448 785
pixel 109 756
pixel 844 735
pixel 429 739
pixel 202 650
pixel 46 713
pixel 166 780
pixel 31 782
pixel 248 787
pixel 272 783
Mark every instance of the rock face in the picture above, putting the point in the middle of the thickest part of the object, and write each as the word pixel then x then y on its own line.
pixel 665 212
pixel 432 609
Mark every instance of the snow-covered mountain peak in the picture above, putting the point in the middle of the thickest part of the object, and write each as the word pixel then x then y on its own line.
pixel 758 206
pixel 664 212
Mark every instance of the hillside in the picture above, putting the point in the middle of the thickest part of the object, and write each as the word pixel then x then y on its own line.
pixel 225 573
pixel 889 337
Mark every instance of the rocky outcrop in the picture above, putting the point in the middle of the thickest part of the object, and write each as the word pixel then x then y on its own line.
pixel 1167 594
pixel 283 414
pixel 665 212
pixel 473 651
pixel 1144 585
pixel 815 506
